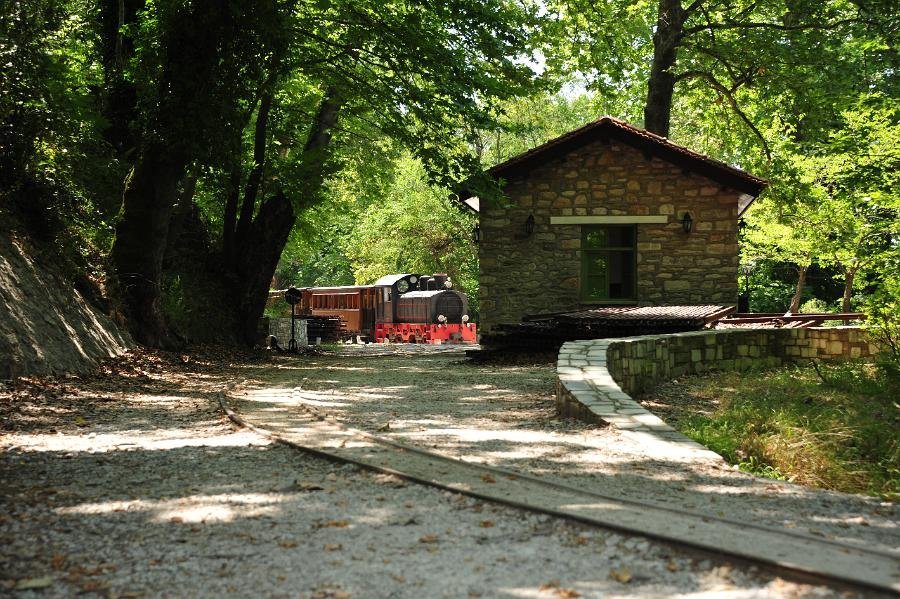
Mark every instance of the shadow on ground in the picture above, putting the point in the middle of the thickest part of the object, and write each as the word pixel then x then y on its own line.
pixel 504 416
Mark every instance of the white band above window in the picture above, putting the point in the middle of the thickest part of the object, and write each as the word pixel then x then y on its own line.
pixel 609 220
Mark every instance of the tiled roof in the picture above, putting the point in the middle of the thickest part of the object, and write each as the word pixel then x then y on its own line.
pixel 650 144
pixel 627 314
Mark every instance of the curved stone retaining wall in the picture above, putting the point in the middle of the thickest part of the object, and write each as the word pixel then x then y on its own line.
pixel 596 379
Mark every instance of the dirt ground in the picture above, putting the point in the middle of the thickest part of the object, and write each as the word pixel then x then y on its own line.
pixel 131 483
pixel 503 415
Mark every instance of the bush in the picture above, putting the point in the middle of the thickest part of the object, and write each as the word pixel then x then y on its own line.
pixel 773 296
pixel 814 305
pixel 883 325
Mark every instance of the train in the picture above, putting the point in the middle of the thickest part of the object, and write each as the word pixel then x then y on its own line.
pixel 397 308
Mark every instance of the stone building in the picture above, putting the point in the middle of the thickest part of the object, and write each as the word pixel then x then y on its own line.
pixel 608 215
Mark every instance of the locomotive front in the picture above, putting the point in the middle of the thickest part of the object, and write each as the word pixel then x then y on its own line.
pixel 427 310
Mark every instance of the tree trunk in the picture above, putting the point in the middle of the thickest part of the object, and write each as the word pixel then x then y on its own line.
pixel 229 219
pixel 849 276
pixel 140 244
pixel 258 253
pixel 317 151
pixel 661 84
pixel 798 292
pixel 181 212
pixel 257 262
pixel 254 180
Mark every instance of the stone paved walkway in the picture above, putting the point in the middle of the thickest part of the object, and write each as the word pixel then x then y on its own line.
pixel 588 391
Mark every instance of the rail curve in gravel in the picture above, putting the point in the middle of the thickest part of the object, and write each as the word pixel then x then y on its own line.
pixel 273 410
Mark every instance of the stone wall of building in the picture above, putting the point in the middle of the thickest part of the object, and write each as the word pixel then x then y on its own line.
pixel 598 378
pixel 541 273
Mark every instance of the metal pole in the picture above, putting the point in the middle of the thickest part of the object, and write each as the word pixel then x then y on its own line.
pixel 292 344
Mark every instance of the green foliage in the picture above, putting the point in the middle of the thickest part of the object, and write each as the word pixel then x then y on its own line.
pixel 529 121
pixel 883 320
pixel 832 426
pixel 772 296
pixel 55 168
pixel 415 229
pixel 814 305
pixel 366 230
pixel 186 304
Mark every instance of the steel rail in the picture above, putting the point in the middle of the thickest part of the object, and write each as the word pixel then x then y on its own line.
pixel 861 579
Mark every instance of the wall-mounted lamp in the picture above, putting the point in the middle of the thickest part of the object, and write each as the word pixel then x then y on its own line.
pixel 687 223
pixel 476 234
pixel 529 225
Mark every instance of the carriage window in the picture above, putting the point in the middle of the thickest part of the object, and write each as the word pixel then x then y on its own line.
pixel 608 263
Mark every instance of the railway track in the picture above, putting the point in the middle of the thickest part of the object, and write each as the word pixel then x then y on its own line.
pixel 788 552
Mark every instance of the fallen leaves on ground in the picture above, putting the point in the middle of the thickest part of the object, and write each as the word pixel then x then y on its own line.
pixel 622 575
pixel 330 593
pixel 305 486
pixel 332 524
pixel 34 583
pixel 558 591
pixel 488 478
pixel 428 539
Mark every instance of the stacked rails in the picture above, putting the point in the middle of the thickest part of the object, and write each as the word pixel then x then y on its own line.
pixel 547 332
pixel 330 329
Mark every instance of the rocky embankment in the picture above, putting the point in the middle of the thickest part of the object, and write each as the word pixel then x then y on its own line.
pixel 47 326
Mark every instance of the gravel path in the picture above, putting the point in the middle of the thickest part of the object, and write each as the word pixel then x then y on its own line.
pixel 504 416
pixel 132 484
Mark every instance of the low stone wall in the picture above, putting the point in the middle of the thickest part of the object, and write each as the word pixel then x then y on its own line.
pixel 597 378
pixel 281 328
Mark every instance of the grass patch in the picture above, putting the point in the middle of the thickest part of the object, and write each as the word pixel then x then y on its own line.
pixel 832 426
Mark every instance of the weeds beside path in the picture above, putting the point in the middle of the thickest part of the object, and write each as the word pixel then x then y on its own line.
pixel 832 426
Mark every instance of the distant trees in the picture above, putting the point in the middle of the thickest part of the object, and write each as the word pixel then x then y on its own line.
pixel 294 130
pixel 183 82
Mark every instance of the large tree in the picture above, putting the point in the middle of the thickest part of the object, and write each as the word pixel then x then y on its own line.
pixel 419 73
pixel 658 49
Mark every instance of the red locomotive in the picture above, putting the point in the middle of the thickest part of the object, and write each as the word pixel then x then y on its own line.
pixel 405 308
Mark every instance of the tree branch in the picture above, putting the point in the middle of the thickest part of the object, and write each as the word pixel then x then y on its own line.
pixel 759 25
pixel 729 95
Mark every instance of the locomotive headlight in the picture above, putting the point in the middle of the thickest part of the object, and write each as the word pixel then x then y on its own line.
pixel 441 318
pixel 465 318
pixel 448 283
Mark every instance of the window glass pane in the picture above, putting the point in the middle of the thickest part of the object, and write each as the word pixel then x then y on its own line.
pixel 608 266
pixel 594 237
pixel 618 237
pixel 621 275
pixel 598 263
pixel 595 288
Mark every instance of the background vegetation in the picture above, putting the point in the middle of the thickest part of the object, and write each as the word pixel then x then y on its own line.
pixel 182 155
